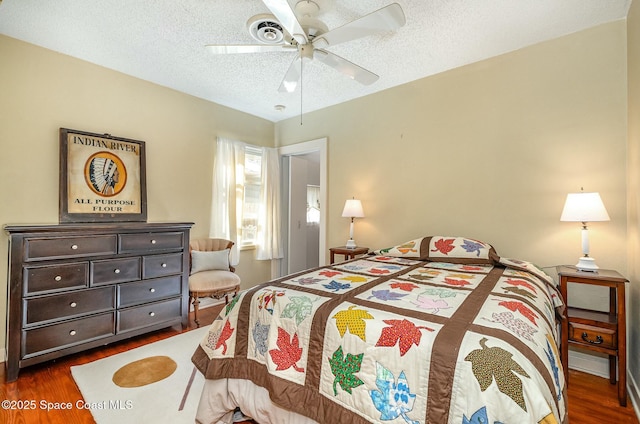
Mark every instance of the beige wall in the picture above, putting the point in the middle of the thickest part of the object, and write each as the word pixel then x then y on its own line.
pixel 633 193
pixel 41 91
pixel 488 151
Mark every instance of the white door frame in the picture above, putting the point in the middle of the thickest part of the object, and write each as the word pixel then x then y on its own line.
pixel 318 145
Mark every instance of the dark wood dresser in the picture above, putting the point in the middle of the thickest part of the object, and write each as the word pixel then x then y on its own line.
pixel 72 287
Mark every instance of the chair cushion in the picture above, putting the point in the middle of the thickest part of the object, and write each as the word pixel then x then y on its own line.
pixel 205 261
pixel 213 280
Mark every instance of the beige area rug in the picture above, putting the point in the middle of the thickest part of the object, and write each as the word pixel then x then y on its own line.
pixel 153 383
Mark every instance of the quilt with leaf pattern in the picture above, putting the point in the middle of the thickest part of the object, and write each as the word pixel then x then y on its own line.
pixel 434 330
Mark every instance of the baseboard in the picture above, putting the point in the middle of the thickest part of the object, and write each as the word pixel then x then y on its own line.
pixel 634 393
pixel 206 302
pixel 589 363
pixel 3 355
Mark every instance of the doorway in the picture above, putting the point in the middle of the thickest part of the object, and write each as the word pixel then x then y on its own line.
pixel 304 176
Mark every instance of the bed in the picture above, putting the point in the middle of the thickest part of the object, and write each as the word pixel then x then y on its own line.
pixel 434 330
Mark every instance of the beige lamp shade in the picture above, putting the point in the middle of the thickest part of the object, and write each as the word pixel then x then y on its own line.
pixel 352 209
pixel 584 207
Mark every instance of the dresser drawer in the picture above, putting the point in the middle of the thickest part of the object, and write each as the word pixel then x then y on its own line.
pixel 59 336
pixel 149 242
pixel 149 290
pixel 69 247
pixel 38 279
pixel 592 336
pixel 111 271
pixel 67 305
pixel 149 314
pixel 161 265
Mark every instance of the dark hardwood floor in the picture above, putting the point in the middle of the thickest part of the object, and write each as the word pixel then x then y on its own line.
pixel 591 399
pixel 52 381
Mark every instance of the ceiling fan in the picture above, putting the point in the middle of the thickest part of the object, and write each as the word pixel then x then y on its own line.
pixel 297 30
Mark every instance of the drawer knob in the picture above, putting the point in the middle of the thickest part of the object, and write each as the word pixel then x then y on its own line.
pixel 153 242
pixel 117 271
pixel 73 304
pixel 152 290
pixel 72 332
pixel 58 278
pixel 598 339
pixel 74 247
pixel 163 265
pixel 152 314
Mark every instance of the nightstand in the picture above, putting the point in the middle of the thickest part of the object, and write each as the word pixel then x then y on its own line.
pixel 594 330
pixel 348 253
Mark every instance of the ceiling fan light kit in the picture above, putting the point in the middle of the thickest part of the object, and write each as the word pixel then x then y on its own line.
pixel 298 29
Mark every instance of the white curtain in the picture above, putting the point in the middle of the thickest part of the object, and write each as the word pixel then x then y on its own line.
pixel 227 199
pixel 269 244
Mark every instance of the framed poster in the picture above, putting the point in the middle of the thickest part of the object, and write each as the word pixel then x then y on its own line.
pixel 102 178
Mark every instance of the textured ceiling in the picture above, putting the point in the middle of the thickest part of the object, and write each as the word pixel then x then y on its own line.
pixel 163 41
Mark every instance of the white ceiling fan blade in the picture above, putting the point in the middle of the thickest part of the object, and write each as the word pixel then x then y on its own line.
pixel 291 78
pixel 388 18
pixel 350 69
pixel 248 48
pixel 284 14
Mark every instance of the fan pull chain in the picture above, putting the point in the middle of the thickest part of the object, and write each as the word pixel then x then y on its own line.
pixel 301 73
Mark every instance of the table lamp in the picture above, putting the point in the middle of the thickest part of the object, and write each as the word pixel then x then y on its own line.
pixel 584 207
pixel 352 209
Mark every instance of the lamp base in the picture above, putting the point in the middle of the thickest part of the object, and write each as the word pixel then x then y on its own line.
pixel 587 264
pixel 351 244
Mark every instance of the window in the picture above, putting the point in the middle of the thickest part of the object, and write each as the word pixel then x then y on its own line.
pixel 313 204
pixel 246 197
pixel 251 196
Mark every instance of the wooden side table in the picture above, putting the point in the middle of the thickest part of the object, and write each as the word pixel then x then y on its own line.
pixel 594 330
pixel 347 252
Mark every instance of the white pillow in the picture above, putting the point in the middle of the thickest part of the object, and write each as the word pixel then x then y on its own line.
pixel 206 261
